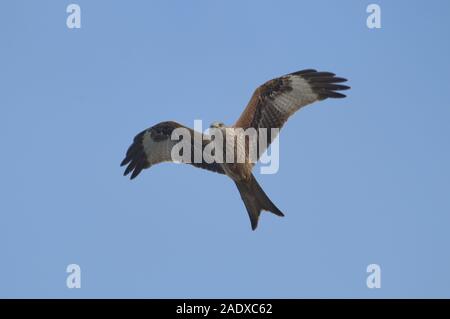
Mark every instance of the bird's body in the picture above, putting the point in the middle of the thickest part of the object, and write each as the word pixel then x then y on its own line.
pixel 269 108
pixel 236 162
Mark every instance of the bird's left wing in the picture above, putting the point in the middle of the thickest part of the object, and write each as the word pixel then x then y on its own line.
pixel 154 145
pixel 276 100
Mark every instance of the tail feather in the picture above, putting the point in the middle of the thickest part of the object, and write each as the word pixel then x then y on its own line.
pixel 255 200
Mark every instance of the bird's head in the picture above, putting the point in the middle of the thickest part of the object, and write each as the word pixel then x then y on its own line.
pixel 217 125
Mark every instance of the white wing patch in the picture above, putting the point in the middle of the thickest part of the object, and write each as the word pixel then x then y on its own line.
pixel 300 95
pixel 156 152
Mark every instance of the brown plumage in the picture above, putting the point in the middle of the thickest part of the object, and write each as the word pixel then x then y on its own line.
pixel 269 107
pixel 154 145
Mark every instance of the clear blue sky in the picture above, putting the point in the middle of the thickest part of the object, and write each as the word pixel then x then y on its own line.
pixel 362 180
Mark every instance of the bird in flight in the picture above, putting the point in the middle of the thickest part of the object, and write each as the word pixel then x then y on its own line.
pixel 269 108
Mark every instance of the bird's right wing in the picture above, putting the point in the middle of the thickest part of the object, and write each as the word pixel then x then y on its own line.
pixel 154 145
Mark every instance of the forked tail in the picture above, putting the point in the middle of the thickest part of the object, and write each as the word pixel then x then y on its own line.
pixel 255 200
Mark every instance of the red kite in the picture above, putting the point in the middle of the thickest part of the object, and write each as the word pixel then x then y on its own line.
pixel 269 108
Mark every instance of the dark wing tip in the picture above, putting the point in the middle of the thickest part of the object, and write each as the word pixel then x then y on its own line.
pixel 136 166
pixel 135 173
pixel 135 158
pixel 335 95
pixel 125 161
pixel 301 72
pixel 128 169
pixel 324 84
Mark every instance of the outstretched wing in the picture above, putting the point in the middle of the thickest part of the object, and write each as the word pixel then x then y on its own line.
pixel 276 100
pixel 154 145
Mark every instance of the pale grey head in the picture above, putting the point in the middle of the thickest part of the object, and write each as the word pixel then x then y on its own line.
pixel 217 124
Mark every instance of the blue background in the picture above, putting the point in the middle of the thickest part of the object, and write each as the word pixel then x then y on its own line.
pixel 362 180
